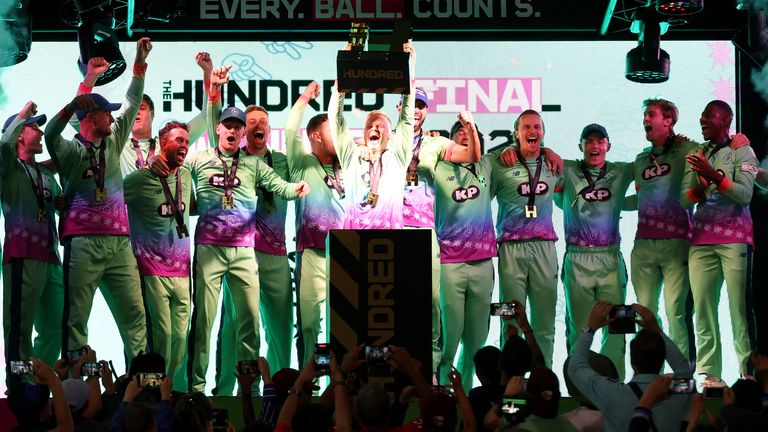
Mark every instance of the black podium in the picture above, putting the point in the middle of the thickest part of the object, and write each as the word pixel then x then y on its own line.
pixel 380 293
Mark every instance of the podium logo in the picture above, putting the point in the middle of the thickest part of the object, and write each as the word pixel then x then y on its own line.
pixel 373 74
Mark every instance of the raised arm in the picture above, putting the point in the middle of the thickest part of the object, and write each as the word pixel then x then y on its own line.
pixel 56 145
pixel 199 123
pixel 219 77
pixel 294 145
pixel 338 126
pixel 11 135
pixel 402 139
pixel 123 124
pixel 465 154
pixel 594 386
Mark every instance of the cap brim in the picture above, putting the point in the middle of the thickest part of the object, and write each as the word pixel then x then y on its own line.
pixel 112 107
pixel 40 120
pixel 232 118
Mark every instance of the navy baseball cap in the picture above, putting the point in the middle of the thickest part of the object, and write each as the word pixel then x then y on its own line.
pixel 102 105
pixel 232 113
pixel 592 128
pixel 420 94
pixel 40 120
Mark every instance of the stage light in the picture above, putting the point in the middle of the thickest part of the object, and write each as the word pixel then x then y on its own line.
pixel 647 62
pixel 679 8
pixel 16 33
pixel 96 38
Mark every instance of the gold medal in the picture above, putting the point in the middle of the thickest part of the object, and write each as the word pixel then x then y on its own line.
pixel 372 199
pixel 412 179
pixel 40 215
pixel 530 211
pixel 101 194
pixel 227 202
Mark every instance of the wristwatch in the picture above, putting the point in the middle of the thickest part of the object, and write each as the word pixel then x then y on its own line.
pixel 587 328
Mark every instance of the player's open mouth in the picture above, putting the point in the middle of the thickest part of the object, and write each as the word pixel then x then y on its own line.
pixel 648 128
pixel 259 135
pixel 231 139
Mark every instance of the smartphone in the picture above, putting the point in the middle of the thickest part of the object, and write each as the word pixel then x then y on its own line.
pixel 623 320
pixel 713 392
pixel 91 369
pixel 377 353
pixel 503 309
pixel 513 405
pixel 323 358
pixel 21 367
pixel 220 418
pixel 682 386
pixel 445 389
pixel 248 367
pixel 74 356
pixel 150 380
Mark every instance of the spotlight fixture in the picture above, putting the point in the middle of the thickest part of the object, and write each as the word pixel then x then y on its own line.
pixel 18 27
pixel 647 62
pixel 679 7
pixel 96 38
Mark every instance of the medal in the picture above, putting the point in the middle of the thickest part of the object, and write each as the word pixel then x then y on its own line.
pixel 530 211
pixel 412 178
pixel 101 194
pixel 40 215
pixel 227 202
pixel 372 199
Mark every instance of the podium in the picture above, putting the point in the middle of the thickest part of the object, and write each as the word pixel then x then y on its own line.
pixel 380 293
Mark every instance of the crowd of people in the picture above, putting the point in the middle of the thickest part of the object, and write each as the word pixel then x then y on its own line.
pixel 126 197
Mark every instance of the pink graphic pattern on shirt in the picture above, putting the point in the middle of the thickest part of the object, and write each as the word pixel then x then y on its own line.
pixel 28 239
pixel 418 206
pixel 657 220
pixel 162 259
pixel 714 226
pixel 226 227
pixel 85 216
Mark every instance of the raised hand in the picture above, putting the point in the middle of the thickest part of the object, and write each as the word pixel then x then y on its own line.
pixel 143 47
pixel 97 66
pixel 203 59
pixel 220 75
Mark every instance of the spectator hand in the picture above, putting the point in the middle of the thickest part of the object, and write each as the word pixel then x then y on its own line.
pixel 43 374
pixel 598 317
pixel 132 389
pixel 351 360
pixel 729 397
pixel 265 371
pixel 647 318
pixel 656 392
pixel 166 387
pixel 455 378
pixel 515 385
pixel 61 367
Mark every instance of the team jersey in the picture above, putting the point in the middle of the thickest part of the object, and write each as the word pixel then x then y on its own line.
pixel 388 210
pixel 463 219
pixel 592 216
pixel 321 210
pixel 419 196
pixel 658 179
pixel 159 250
pixel 27 235
pixel 230 226
pixel 271 210
pixel 723 215
pixel 84 214
pixel 512 189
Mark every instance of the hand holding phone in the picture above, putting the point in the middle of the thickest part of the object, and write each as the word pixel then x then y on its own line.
pixel 22 367
pixel 220 419
pixel 248 367
pixel 90 369
pixel 504 309
pixel 323 358
pixel 682 386
pixel 150 380
pixel 623 320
